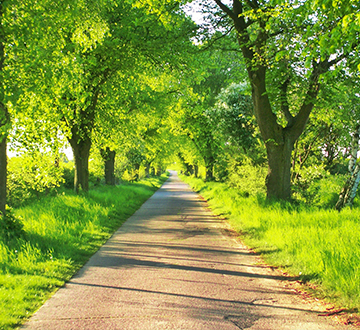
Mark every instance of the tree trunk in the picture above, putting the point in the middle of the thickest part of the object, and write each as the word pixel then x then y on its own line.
pixel 278 181
pixel 188 170
pixel 158 170
pixel 209 166
pixel 3 175
pixel 4 122
pixel 147 170
pixel 279 140
pixel 4 128
pixel 348 193
pixel 137 171
pixel 354 150
pixel 109 165
pixel 196 171
pixel 152 170
pixel 81 150
pixel 209 173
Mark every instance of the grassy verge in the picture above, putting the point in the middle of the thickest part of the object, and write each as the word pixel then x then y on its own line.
pixel 320 246
pixel 61 233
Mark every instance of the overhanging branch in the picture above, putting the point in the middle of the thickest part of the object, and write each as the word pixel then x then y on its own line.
pixel 226 10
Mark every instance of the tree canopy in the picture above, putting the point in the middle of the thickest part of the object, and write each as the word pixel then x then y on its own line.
pixel 142 80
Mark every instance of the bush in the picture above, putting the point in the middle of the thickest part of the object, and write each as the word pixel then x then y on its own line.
pixel 325 192
pixel 96 170
pixel 11 227
pixel 68 174
pixel 318 187
pixel 249 179
pixel 30 176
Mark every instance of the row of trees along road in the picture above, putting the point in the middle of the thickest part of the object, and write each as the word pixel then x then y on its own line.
pixel 73 69
pixel 141 78
pixel 289 50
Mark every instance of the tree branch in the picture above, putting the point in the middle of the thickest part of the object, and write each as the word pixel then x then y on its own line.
pixel 226 10
pixel 302 117
pixel 285 108
pixel 253 4
pixel 214 40
pixel 319 68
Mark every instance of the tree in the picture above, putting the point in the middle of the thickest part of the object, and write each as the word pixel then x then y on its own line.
pixel 4 127
pixel 77 65
pixel 232 118
pixel 5 122
pixel 348 193
pixel 193 115
pixel 287 49
pixel 108 156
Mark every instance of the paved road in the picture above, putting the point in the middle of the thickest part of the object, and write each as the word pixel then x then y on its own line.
pixel 170 266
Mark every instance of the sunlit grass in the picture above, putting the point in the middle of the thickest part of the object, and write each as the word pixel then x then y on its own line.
pixel 61 233
pixel 318 245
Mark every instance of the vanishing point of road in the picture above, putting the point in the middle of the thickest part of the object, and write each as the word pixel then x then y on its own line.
pixel 172 265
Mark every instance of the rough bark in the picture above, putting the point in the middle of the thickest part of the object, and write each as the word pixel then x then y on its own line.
pixel 109 165
pixel 81 150
pixel 278 180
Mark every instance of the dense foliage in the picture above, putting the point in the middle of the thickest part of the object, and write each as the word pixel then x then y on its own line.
pixel 140 81
pixel 262 96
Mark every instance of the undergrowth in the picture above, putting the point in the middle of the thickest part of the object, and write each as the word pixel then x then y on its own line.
pixel 316 244
pixel 59 234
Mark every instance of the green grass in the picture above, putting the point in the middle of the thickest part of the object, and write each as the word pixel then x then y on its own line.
pixel 61 234
pixel 318 245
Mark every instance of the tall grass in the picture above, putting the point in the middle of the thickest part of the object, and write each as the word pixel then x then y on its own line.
pixel 318 245
pixel 60 234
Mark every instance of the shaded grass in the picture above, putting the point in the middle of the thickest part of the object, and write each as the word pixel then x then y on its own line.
pixel 318 245
pixel 61 233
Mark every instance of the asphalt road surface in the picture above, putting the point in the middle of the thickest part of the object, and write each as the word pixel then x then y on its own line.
pixel 172 266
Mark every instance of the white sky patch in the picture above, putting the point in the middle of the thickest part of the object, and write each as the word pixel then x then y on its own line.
pixel 195 9
pixel 66 150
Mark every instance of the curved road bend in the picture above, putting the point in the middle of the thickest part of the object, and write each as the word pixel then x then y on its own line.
pixel 170 267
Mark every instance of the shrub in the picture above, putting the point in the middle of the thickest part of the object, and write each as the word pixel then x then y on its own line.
pixel 30 176
pixel 129 175
pixel 318 187
pixel 68 174
pixel 325 192
pixel 249 179
pixel 11 226
pixel 96 170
